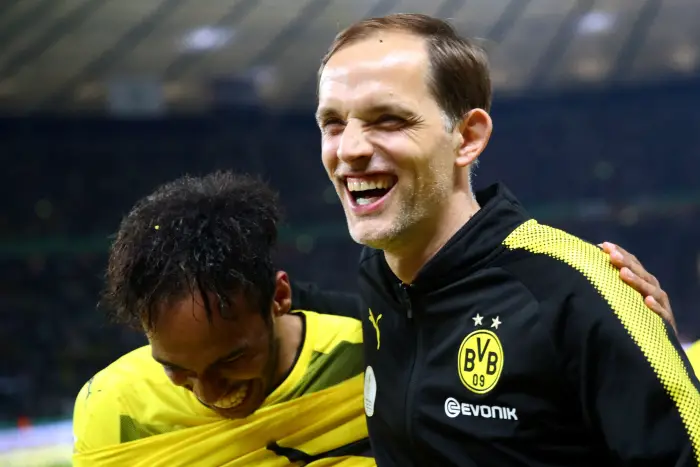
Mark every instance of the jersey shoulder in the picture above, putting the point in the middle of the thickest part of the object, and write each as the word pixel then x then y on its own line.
pixel 126 377
pixel 325 332
pixel 331 354
pixel 590 297
pixel 551 261
pixel 578 280
pixel 106 397
pixel 132 398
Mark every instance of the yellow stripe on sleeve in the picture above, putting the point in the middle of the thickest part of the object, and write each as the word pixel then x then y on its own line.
pixel 645 327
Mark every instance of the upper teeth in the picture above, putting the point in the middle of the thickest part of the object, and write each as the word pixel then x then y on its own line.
pixel 364 185
pixel 233 399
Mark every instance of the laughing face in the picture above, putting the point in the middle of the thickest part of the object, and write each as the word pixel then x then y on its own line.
pixel 230 364
pixel 385 142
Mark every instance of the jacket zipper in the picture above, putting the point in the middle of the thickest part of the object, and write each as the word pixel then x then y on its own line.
pixel 410 391
pixel 407 301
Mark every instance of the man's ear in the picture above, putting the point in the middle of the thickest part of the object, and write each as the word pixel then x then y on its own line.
pixel 282 298
pixel 473 134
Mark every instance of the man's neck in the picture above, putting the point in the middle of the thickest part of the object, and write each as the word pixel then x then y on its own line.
pixel 290 333
pixel 408 258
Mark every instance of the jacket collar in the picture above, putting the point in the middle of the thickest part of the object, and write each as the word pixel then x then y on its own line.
pixel 480 238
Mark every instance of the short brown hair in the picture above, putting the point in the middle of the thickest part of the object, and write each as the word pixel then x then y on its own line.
pixel 460 79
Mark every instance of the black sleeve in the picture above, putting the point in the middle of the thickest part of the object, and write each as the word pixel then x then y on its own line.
pixel 310 297
pixel 635 384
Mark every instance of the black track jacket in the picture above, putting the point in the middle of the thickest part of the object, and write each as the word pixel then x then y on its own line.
pixel 518 345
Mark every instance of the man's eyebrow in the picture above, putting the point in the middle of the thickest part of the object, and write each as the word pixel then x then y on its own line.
pixel 325 113
pixel 167 363
pixel 382 109
pixel 374 110
pixel 237 352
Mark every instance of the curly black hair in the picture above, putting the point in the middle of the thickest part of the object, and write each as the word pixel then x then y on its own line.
pixel 213 234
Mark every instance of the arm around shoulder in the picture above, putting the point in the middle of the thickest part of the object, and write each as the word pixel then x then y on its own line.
pixel 310 297
pixel 634 385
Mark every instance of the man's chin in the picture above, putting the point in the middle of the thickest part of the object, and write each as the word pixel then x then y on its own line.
pixel 245 409
pixel 370 233
pixel 235 413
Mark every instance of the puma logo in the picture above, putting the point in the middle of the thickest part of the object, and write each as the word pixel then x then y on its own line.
pixel 375 323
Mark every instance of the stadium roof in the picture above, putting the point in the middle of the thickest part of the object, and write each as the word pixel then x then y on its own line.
pixel 72 55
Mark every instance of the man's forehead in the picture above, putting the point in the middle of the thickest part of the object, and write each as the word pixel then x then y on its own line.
pixel 187 322
pixel 379 57
pixel 387 46
pixel 361 70
pixel 396 82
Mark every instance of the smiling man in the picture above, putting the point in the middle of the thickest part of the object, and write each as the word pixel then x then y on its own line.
pixel 232 376
pixel 504 342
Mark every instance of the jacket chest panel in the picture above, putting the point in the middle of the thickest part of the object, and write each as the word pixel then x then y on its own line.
pixel 482 366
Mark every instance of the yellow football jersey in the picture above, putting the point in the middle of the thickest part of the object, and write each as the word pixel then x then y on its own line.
pixel 130 413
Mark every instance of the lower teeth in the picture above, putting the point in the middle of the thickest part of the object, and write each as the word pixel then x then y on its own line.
pixel 365 201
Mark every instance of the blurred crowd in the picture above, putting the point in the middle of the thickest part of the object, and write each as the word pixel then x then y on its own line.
pixel 617 165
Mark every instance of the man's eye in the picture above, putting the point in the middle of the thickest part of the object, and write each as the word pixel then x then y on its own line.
pixel 389 120
pixel 333 126
pixel 177 375
pixel 231 360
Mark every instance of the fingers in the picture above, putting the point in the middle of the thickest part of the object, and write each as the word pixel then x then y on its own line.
pixel 647 289
pixel 654 296
pixel 633 273
pixel 664 312
pixel 621 258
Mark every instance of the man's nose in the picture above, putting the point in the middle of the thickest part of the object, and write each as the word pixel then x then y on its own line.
pixel 354 143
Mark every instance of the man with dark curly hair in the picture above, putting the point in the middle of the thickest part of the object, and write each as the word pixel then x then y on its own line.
pixel 192 267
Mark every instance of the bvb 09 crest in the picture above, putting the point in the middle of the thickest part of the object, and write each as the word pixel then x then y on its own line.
pixel 480 361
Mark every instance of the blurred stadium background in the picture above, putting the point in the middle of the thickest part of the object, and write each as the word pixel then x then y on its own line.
pixel 596 130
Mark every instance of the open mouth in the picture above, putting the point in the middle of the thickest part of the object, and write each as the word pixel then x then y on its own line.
pixel 234 398
pixel 365 191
